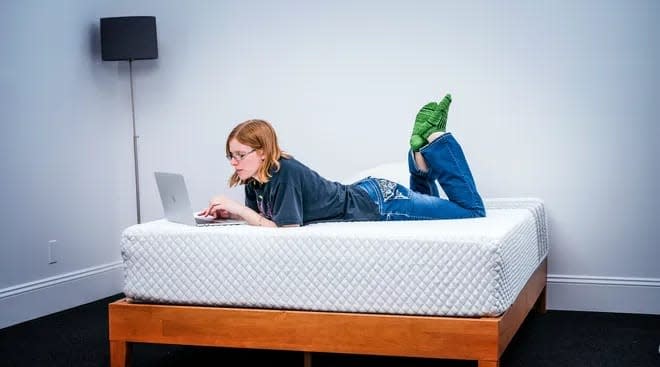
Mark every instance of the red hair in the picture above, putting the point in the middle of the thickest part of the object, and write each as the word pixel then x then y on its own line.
pixel 259 135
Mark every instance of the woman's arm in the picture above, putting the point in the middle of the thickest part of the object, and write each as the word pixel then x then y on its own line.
pixel 253 218
pixel 220 204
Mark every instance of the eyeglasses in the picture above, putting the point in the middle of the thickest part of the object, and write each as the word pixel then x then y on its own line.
pixel 238 156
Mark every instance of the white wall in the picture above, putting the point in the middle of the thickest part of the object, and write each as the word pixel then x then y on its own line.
pixel 557 100
pixel 65 159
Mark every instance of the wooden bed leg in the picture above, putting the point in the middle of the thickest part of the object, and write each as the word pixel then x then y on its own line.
pixel 307 359
pixel 489 363
pixel 119 353
pixel 540 306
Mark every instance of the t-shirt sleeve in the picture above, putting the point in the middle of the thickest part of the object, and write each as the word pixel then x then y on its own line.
pixel 287 204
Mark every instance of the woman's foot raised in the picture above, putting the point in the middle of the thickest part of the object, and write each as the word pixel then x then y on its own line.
pixel 432 118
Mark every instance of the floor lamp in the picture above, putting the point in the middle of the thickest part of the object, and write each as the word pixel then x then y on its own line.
pixel 129 39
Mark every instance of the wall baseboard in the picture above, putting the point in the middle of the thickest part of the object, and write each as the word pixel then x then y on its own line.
pixel 604 294
pixel 45 296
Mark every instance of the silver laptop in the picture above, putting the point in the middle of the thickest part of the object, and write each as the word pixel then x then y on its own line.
pixel 176 203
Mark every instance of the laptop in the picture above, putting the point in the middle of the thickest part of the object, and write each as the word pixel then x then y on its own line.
pixel 176 203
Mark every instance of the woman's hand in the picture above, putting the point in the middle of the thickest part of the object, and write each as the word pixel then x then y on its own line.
pixel 222 207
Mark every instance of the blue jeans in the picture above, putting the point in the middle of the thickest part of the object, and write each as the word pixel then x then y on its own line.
pixel 447 165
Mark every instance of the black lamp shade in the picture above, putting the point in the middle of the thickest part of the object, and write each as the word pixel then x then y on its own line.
pixel 128 38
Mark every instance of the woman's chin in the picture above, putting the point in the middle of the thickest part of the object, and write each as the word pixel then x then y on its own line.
pixel 242 175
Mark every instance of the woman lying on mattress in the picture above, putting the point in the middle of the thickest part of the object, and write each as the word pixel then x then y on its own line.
pixel 281 191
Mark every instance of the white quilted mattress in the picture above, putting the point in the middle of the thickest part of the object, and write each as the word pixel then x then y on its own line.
pixel 467 267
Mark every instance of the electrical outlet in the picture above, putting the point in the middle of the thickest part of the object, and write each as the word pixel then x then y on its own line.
pixel 52 252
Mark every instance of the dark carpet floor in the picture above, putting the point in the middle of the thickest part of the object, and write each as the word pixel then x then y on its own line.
pixel 79 337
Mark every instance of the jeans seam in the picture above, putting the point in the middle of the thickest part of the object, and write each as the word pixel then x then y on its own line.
pixel 411 217
pixel 464 177
pixel 453 157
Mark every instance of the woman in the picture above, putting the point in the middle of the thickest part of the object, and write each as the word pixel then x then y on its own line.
pixel 280 191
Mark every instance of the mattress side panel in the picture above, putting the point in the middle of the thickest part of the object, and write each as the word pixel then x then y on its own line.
pixel 537 208
pixel 518 259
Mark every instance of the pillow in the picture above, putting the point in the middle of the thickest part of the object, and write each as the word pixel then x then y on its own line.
pixel 394 171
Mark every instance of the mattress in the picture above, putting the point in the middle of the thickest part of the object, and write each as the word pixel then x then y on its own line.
pixel 466 267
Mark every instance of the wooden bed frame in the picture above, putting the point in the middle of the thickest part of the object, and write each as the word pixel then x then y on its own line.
pixel 482 339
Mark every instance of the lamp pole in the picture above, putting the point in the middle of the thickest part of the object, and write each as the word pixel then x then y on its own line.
pixel 135 144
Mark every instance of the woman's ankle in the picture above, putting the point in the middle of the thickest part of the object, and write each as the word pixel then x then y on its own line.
pixel 435 136
pixel 420 162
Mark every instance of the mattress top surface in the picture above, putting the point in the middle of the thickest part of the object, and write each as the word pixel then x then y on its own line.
pixel 494 226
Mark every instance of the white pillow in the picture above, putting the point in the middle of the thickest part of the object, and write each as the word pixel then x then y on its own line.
pixel 394 171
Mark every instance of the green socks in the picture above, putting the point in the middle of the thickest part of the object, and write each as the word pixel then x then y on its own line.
pixel 430 119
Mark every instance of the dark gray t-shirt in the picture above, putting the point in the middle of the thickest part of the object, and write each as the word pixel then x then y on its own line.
pixel 296 194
